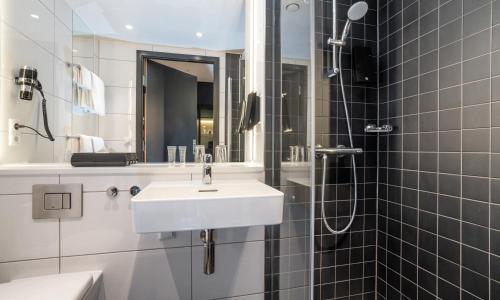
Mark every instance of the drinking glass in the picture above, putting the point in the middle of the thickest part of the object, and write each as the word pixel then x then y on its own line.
pixel 293 154
pixel 301 155
pixel 172 151
pixel 182 154
pixel 199 153
pixel 221 153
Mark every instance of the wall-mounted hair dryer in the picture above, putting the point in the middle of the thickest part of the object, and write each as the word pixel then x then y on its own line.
pixel 28 80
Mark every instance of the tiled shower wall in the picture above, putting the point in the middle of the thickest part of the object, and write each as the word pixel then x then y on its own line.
pixel 439 212
pixel 345 264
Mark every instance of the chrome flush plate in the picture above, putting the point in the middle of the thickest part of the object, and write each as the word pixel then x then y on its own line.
pixel 57 201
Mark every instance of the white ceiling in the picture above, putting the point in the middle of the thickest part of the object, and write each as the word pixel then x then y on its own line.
pixel 168 22
pixel 295 35
pixel 176 22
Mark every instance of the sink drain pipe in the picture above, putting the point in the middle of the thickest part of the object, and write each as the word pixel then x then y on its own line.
pixel 207 237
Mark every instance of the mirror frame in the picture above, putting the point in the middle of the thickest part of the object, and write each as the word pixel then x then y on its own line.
pixel 141 57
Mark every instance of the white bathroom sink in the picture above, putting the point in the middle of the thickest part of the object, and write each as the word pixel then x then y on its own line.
pixel 179 206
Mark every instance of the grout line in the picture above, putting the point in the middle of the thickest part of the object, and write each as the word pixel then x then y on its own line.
pixel 438 149
pixel 491 28
pixel 461 150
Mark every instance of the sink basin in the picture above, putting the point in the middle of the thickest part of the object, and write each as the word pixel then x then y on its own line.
pixel 180 206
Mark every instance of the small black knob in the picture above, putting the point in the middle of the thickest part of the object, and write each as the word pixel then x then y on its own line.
pixel 134 190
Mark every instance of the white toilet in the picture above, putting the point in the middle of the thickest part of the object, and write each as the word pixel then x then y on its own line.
pixel 67 286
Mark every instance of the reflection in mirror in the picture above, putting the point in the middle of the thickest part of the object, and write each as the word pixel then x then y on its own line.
pixel 85 56
pixel 295 81
pixel 86 53
pixel 179 105
pixel 186 95
pixel 235 78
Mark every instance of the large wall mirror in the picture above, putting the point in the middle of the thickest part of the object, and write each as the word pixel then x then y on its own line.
pixel 171 64
pixel 132 76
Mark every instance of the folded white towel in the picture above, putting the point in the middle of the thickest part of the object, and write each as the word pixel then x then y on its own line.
pixel 86 144
pixel 97 95
pixel 86 78
pixel 98 144
pixel 77 75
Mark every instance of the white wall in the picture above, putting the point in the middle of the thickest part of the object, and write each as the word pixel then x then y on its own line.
pixel 135 266
pixel 117 67
pixel 46 44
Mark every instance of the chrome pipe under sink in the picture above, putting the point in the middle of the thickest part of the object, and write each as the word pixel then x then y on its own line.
pixel 207 237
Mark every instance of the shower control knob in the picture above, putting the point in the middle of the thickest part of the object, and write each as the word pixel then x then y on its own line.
pixel 134 190
pixel 112 191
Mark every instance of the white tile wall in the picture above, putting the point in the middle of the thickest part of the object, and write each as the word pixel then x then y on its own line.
pixel 40 36
pixel 239 270
pixel 40 30
pixel 135 266
pixel 12 185
pixel 28 268
pixel 120 100
pixel 150 274
pixel 107 226
pixel 101 183
pixel 233 235
pixel 117 127
pixel 63 12
pixel 21 237
pixel 120 50
pixel 118 73
pixel 63 42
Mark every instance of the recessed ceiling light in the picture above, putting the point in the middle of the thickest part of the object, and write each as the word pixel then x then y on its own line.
pixel 35 16
pixel 199 34
pixel 129 27
pixel 292 7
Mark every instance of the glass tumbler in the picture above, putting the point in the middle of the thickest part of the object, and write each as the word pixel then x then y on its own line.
pixel 199 153
pixel 171 151
pixel 301 154
pixel 182 154
pixel 293 154
pixel 221 153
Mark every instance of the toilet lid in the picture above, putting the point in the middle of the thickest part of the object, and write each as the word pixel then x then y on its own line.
pixel 68 286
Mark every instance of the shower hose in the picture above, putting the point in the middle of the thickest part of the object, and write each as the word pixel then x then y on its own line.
pixel 353 161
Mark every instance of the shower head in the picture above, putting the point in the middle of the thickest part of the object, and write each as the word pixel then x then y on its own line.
pixel 357 11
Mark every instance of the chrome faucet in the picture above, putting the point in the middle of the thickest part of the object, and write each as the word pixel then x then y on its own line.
pixel 207 169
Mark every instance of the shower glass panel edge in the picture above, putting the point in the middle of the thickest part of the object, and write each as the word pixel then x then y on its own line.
pixel 312 116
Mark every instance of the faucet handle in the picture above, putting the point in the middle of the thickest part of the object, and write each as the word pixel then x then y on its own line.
pixel 207 158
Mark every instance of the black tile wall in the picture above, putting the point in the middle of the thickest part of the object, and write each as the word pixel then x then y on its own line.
pixel 344 266
pixel 438 208
pixel 272 155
